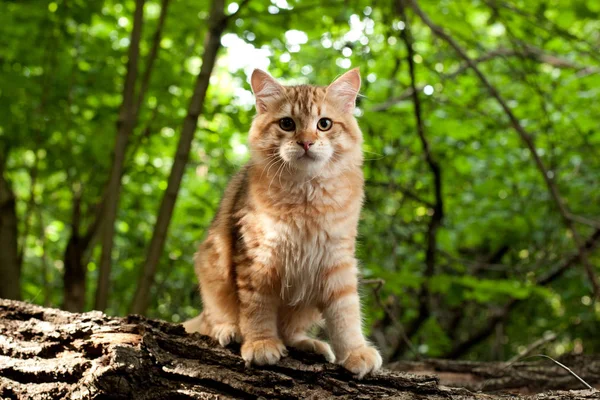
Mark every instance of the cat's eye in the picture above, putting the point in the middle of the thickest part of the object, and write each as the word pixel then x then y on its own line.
pixel 287 124
pixel 324 124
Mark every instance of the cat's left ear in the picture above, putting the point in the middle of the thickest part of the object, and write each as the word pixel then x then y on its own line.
pixel 344 90
pixel 266 89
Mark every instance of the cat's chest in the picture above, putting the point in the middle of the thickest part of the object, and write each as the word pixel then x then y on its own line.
pixel 300 245
pixel 300 251
pixel 297 238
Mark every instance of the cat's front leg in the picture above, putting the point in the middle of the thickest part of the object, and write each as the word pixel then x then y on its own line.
pixel 341 309
pixel 259 304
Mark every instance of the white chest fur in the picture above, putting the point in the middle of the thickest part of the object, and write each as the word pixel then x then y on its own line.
pixel 299 252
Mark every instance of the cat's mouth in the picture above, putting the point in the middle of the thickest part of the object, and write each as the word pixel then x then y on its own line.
pixel 307 156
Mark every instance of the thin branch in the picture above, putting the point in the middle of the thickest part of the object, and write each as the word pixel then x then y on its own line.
pixel 538 19
pixel 152 56
pixel 497 316
pixel 405 191
pixel 584 220
pixel 525 137
pixel 531 52
pixel 242 5
pixel 567 369
pixel 378 285
pixel 538 343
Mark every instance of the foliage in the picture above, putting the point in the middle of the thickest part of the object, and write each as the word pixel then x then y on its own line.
pixel 63 64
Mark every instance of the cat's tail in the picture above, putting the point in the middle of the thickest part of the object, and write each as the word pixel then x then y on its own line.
pixel 198 324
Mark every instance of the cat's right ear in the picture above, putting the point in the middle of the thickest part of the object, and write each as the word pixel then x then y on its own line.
pixel 266 89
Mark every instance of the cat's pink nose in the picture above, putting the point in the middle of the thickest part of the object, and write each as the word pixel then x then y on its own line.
pixel 305 144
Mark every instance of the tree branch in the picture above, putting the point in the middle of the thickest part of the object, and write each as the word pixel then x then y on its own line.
pixel 531 52
pixel 405 191
pixel 525 137
pixel 377 286
pixel 152 56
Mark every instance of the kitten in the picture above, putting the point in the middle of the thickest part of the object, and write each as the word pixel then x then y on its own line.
pixel 279 256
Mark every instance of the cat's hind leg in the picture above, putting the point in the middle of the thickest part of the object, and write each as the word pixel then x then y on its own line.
pixel 219 318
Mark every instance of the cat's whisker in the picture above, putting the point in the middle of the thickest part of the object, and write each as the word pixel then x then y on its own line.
pixel 275 161
pixel 267 166
pixel 284 164
pixel 276 172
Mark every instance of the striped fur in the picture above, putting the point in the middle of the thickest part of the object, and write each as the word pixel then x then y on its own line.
pixel 279 256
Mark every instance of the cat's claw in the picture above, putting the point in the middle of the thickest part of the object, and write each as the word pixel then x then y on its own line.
pixel 226 334
pixel 263 352
pixel 363 361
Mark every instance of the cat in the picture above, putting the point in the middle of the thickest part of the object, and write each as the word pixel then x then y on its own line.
pixel 279 255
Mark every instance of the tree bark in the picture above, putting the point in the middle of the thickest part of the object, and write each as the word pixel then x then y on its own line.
pixel 218 22
pixel 47 354
pixel 125 126
pixel 10 270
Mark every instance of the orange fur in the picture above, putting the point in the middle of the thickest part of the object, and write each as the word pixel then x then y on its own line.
pixel 279 256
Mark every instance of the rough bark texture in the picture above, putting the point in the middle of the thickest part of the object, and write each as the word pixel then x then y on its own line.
pixel 52 354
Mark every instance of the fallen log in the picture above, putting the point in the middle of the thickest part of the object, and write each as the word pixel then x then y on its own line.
pixel 524 377
pixel 52 354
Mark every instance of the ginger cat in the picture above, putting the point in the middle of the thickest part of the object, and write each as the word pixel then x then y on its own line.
pixel 279 256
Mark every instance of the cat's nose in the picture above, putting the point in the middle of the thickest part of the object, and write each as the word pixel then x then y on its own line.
pixel 305 144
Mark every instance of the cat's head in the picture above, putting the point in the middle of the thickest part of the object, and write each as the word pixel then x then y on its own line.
pixel 307 130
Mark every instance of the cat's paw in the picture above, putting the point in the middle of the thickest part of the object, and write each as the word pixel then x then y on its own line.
pixel 315 346
pixel 362 361
pixel 226 334
pixel 263 352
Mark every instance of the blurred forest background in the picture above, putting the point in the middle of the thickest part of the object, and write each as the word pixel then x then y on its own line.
pixel 122 121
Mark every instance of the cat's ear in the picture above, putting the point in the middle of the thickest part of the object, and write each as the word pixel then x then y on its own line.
pixel 343 90
pixel 265 88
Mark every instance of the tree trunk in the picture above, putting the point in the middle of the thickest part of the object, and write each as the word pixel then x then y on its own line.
pixel 10 270
pixel 212 45
pixel 125 126
pixel 47 354
pixel 74 276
